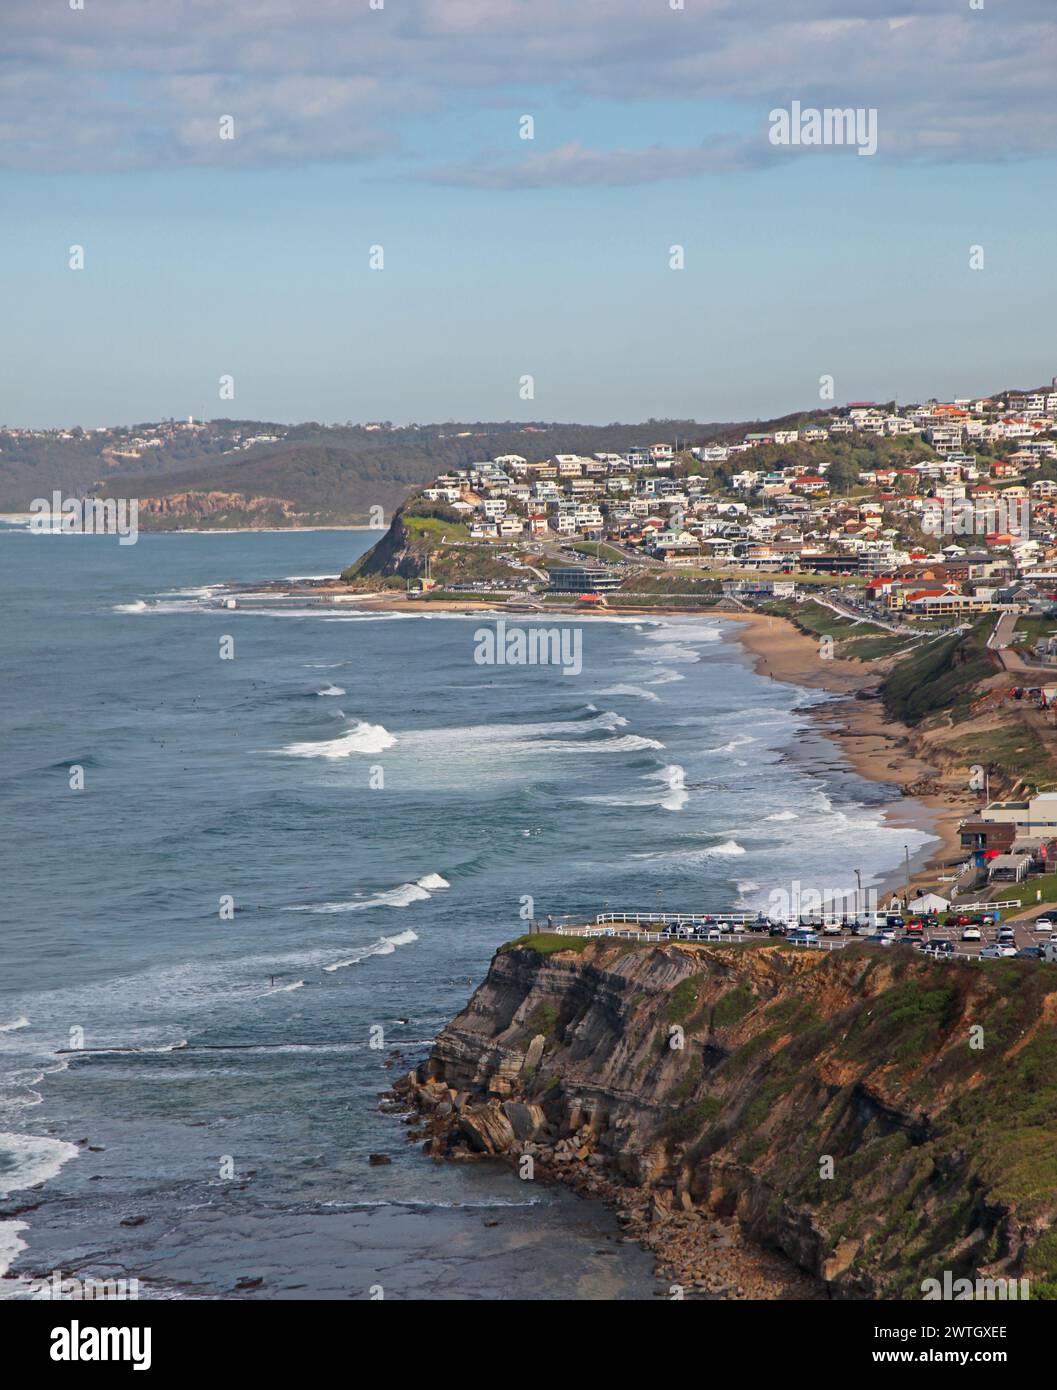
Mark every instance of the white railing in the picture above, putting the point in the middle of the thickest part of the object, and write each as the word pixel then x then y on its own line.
pixel 711 937
pixel 985 907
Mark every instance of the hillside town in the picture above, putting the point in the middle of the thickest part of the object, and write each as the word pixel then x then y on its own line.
pixel 956 513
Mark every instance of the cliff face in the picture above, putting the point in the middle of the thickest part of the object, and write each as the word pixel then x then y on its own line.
pixel 877 1117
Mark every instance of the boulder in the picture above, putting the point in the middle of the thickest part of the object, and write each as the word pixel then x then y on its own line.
pixel 487 1128
pixel 525 1120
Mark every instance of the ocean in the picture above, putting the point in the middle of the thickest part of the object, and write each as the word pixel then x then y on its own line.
pixel 300 838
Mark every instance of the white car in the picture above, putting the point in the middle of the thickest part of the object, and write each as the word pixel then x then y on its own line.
pixel 831 929
pixel 971 934
pixel 1005 948
pixel 1043 924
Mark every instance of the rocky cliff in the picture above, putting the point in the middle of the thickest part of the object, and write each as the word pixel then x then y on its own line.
pixel 875 1117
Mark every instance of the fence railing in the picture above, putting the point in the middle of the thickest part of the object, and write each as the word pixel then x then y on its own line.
pixel 713 937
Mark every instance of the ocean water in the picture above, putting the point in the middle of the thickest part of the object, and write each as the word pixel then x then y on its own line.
pixel 189 1097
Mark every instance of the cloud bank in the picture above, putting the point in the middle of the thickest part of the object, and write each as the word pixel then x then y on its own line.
pixel 124 84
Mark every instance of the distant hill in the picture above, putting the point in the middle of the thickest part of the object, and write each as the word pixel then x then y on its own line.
pixel 314 474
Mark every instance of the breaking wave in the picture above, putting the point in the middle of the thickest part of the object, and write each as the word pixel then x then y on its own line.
pixel 362 738
pixel 384 946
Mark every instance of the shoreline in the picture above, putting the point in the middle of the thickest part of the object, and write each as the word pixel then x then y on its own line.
pixel 878 748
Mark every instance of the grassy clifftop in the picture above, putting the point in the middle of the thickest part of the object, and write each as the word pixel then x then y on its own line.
pixel 430 532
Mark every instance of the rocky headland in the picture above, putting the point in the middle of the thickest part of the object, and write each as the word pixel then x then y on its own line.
pixel 771 1122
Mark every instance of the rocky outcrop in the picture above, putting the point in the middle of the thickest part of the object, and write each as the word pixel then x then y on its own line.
pixel 872 1117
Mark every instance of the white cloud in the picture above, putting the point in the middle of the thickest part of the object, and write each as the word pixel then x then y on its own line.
pixel 125 84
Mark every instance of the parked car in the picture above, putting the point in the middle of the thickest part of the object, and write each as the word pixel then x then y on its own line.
pixel 1006 934
pixel 1030 953
pixel 1043 924
pixel 894 920
pixel 1006 949
pixel 990 953
pixel 831 929
pixel 802 936
pixel 971 934
pixel 776 929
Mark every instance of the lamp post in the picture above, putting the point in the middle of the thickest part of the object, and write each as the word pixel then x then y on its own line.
pixel 906 852
pixel 858 894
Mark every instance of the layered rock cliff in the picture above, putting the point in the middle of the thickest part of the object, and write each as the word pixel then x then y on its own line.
pixel 876 1117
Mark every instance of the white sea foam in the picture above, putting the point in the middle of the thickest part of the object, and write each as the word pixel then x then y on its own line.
pixel 674 778
pixel 332 690
pixel 11 1245
pixel 31 1159
pixel 681 653
pixel 739 741
pixel 665 677
pixel 673 796
pixel 402 896
pixel 284 989
pixel 384 946
pixel 138 607
pixel 627 743
pixel 609 719
pixel 363 738
pixel 432 881
pixel 636 691
pixel 782 815
pixel 727 849
pixel 21 1022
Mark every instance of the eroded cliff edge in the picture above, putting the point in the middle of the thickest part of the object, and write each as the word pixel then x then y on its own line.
pixel 690 1083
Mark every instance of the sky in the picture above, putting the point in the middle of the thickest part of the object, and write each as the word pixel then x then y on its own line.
pixel 513 265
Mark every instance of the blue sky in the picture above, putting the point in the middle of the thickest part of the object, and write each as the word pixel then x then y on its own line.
pixel 506 257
